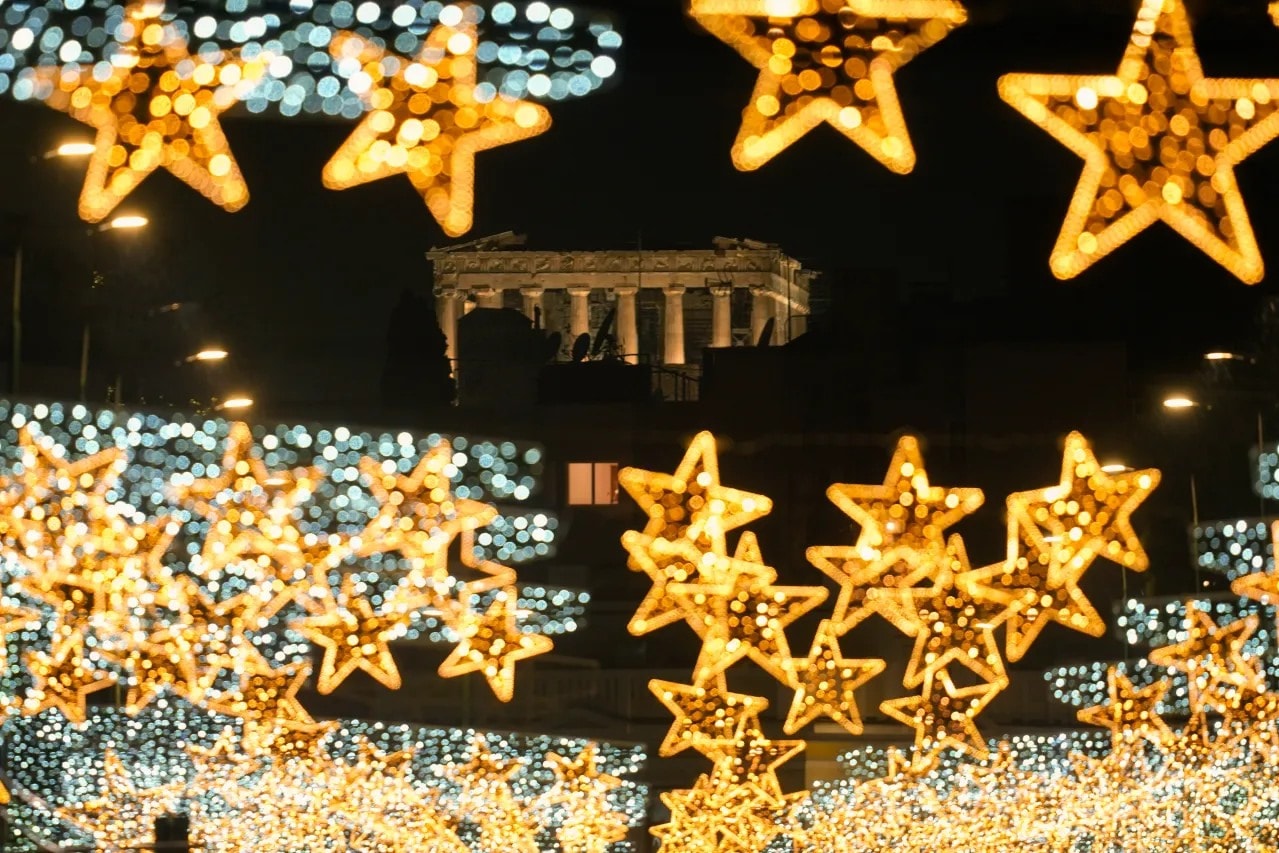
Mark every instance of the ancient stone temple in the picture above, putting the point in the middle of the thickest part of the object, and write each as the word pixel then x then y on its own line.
pixel 668 304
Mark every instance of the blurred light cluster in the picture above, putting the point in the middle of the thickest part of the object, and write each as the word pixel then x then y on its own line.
pixel 1267 484
pixel 57 768
pixel 1160 142
pixel 536 50
pixel 1234 547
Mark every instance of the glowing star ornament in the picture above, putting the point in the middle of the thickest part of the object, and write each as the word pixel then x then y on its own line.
pixel 418 514
pixel 1160 141
pixel 944 718
pixel 1088 513
pixel 490 643
pixel 156 105
pixel 1221 675
pixel 902 541
pixel 428 118
pixel 64 679
pixel 353 636
pixel 691 504
pixel 827 61
pixel 1130 713
pixel 266 695
pixel 752 760
pixel 580 774
pixel 706 715
pixel 122 816
pixel 825 683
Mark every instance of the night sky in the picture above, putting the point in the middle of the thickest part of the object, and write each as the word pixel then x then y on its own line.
pixel 300 284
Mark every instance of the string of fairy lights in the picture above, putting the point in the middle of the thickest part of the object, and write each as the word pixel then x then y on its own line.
pixel 432 84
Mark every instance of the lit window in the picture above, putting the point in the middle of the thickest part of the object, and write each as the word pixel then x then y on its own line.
pixel 592 483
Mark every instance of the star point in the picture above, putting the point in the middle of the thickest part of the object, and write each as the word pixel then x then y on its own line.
pixel 826 682
pixel 490 643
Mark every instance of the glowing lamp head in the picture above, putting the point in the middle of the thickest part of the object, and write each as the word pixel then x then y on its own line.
pixel 130 222
pixel 1223 356
pixel 74 149
pixel 209 354
pixel 1179 402
pixel 1114 468
pixel 236 402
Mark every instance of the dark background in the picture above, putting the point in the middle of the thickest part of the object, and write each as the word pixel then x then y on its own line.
pixel 300 284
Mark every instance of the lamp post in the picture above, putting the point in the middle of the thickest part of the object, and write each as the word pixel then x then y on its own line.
pixel 124 222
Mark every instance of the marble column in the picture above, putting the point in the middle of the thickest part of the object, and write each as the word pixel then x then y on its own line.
pixel 674 349
pixel 488 297
pixel 579 311
pixel 446 300
pixel 627 324
pixel 721 315
pixel 533 307
pixel 761 312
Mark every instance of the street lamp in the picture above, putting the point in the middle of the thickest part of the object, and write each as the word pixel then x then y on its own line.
pixel 125 222
pixel 1114 468
pixel 209 354
pixel 235 402
pixel 71 149
pixel 1179 402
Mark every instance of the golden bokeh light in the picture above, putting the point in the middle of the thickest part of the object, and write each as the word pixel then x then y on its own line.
pixel 1160 141
pixel 828 61
pixel 428 118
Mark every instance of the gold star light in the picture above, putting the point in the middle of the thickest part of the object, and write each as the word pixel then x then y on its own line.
pixel 825 682
pixel 266 695
pixel 353 637
pixel 706 715
pixel 64 679
pixel 902 542
pixel 1130 713
pixel 1221 675
pixel 751 760
pixel 827 61
pixel 580 774
pixel 122 816
pixel 490 643
pixel 156 106
pixel 428 119
pixel 943 719
pixel 1160 141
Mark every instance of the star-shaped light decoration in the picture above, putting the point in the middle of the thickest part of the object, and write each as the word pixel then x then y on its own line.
pixel 490 643
pixel 944 718
pixel 221 761
pixel 52 505
pixel 576 775
pixel 353 637
pixel 122 816
pixel 157 661
pixel 215 633
pixel 1160 141
pixel 952 626
pixel 254 524
pixel 827 61
pixel 418 514
pixel 63 679
pixel 744 616
pixel 1087 514
pixel 1130 713
pixel 156 105
pixel 482 766
pixel 706 715
pixel 1221 675
pixel 902 541
pixel 428 118
pixel 751 760
pixel 591 824
pixel 266 695
pixel 826 681
pixel 691 504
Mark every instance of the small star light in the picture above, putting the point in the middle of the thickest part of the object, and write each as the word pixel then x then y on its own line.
pixel 266 695
pixel 490 643
pixel 1160 141
pixel 591 824
pixel 122 816
pixel 944 718
pixel 752 760
pixel 156 105
pixel 827 61
pixel 418 514
pixel 1130 713
pixel 1213 657
pixel 706 715
pixel 902 540
pixel 353 637
pixel 428 117
pixel 63 679
pixel 253 516
pixel 825 684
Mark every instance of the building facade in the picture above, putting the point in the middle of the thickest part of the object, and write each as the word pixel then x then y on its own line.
pixel 667 304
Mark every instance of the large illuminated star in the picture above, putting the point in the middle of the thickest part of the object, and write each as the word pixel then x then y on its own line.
pixel 122 816
pixel 427 119
pixel 944 718
pixel 827 61
pixel 64 679
pixel 1130 713
pixel 1221 674
pixel 902 541
pixel 155 106
pixel 1160 141
pixel 578 776
pixel 418 514
pixel 1088 513
pixel 691 503
pixel 706 715
pixel 353 637
pixel 825 683
pixel 254 523
pixel 752 760
pixel 266 696
pixel 490 643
